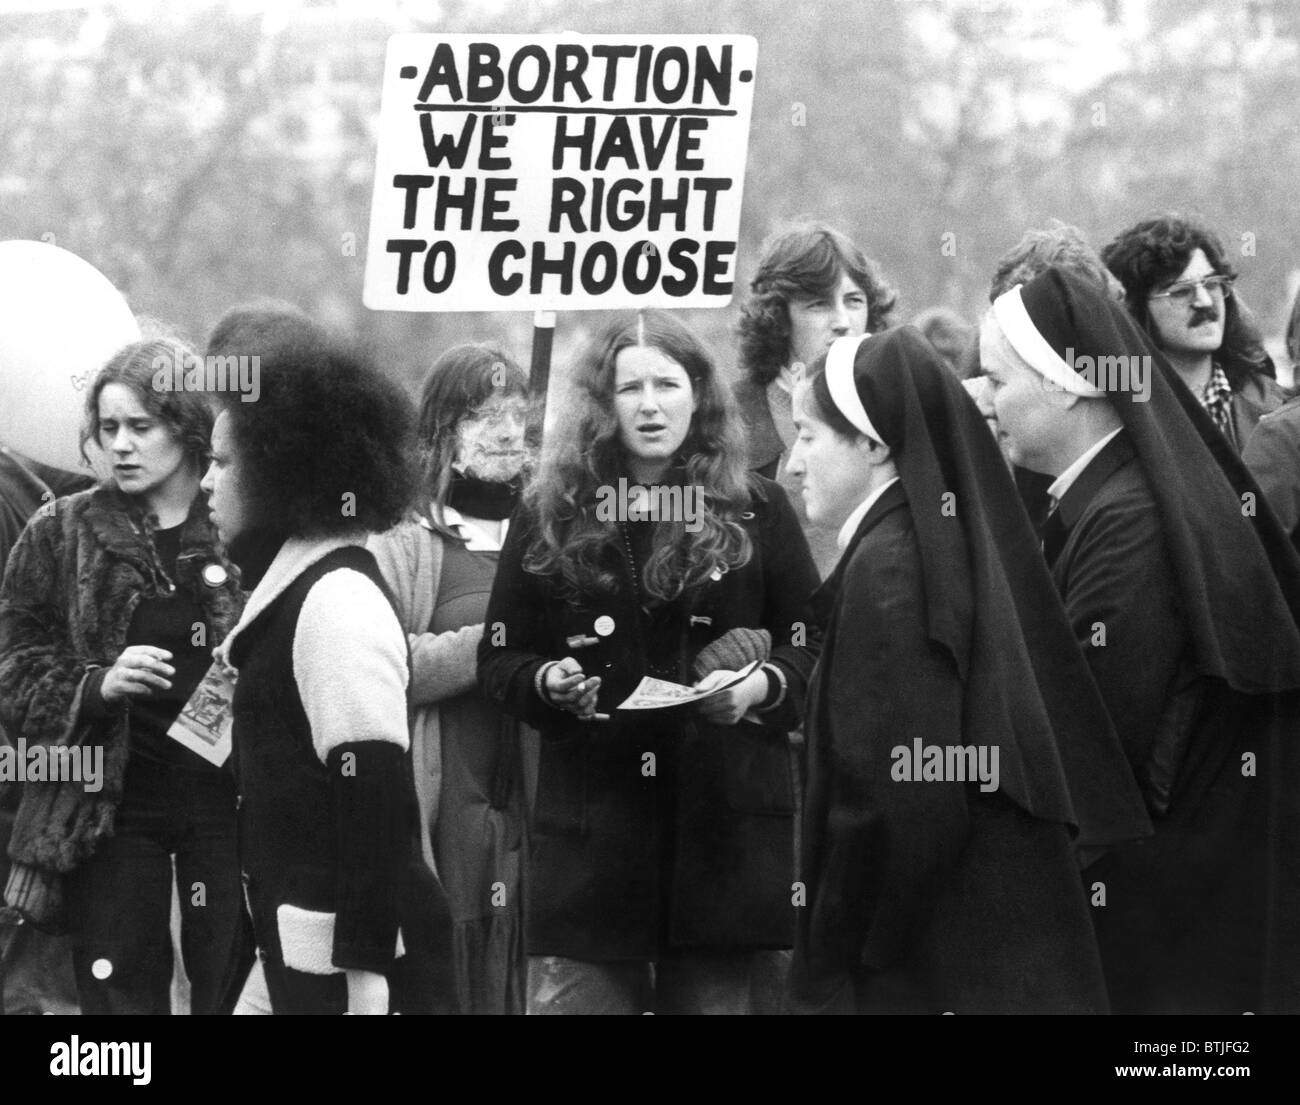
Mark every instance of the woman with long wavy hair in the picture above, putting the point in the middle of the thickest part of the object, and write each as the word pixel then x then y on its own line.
pixel 661 853
pixel 439 565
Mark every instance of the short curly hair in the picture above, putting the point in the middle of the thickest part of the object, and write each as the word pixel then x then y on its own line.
pixel 326 448
pixel 1153 252
pixel 149 368
pixel 1058 245
pixel 804 262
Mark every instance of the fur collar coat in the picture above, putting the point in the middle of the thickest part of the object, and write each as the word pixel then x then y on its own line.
pixel 72 584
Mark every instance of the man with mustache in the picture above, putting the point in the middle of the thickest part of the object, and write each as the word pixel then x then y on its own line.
pixel 1178 285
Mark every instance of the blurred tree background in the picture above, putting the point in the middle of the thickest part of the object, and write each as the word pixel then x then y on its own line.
pixel 207 153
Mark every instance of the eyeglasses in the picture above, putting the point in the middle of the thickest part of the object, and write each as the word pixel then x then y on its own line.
pixel 1185 290
pixel 498 416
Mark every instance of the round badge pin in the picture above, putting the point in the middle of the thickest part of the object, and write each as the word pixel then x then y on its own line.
pixel 215 575
pixel 604 626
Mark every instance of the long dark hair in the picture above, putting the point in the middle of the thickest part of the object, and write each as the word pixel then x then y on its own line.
pixel 584 454
pixel 460 381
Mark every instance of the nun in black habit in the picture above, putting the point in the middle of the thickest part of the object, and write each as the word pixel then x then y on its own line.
pixel 1183 592
pixel 959 756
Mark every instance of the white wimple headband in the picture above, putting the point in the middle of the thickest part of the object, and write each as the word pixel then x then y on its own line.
pixel 843 389
pixel 1020 331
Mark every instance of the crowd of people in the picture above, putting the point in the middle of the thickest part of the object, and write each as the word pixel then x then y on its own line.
pixel 974 653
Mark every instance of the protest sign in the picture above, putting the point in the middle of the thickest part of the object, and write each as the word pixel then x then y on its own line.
pixel 559 172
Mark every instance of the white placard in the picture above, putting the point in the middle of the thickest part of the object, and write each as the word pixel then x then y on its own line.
pixel 559 172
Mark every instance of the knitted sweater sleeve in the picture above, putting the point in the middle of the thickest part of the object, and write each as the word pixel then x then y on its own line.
pixel 443 665
pixel 349 659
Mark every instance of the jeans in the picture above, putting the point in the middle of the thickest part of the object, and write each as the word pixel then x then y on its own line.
pixel 120 899
pixel 696 982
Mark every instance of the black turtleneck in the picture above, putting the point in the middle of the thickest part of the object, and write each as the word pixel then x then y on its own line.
pixel 167 621
pixel 485 499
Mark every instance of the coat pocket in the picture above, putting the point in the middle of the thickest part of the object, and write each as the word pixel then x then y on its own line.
pixel 561 803
pixel 756 770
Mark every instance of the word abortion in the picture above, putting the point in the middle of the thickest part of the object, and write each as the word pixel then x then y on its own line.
pixel 666 73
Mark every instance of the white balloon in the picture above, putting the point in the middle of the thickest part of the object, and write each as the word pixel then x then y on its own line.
pixel 60 321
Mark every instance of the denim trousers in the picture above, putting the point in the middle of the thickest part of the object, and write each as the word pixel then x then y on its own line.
pixel 736 983
pixel 119 900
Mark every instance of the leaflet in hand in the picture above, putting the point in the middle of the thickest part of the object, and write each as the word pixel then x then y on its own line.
pixel 658 694
pixel 205 720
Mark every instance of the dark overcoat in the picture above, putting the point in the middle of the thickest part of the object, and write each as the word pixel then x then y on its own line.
pixel 655 829
pixel 1181 918
pixel 923 896
pixel 1272 453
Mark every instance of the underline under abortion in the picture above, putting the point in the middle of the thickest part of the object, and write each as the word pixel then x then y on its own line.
pixel 501 109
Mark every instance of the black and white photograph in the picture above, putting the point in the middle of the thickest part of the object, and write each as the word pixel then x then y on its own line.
pixel 523 507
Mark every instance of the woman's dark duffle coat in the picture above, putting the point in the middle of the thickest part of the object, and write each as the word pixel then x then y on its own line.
pixel 656 828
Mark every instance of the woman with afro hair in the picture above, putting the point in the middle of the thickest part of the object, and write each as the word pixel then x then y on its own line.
pixel 347 916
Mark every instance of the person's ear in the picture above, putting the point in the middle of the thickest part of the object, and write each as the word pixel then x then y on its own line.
pixel 873 452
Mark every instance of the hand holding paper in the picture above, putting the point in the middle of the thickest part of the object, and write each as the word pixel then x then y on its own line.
pixel 658 694
pixel 731 700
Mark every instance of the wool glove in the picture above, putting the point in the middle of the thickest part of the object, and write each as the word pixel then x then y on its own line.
pixel 732 651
